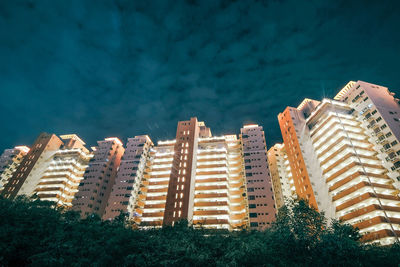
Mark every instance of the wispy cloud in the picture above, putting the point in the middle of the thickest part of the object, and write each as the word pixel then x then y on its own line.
pixel 126 68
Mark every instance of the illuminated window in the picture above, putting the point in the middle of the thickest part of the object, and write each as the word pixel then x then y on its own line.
pixel 187 144
pixel 184 171
pixel 177 187
pixel 180 204
pixel 174 213
pixel 182 187
pixel 179 214
pixel 185 157
pixel 176 204
pixel 183 145
pixel 183 179
pixel 184 164
pixel 176 195
pixel 181 195
pixel 186 151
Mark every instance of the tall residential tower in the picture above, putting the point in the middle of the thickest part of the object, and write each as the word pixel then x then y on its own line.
pixel 338 165
pixel 259 185
pixel 95 188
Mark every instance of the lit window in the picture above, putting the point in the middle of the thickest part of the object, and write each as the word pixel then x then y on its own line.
pixel 182 187
pixel 179 214
pixel 181 195
pixel 180 204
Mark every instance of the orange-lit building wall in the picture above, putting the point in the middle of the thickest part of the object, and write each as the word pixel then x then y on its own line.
pixel 300 175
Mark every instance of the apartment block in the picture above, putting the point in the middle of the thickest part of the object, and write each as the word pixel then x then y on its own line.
pixel 218 182
pixel 151 200
pixel 196 177
pixel 379 111
pixel 60 180
pixel 9 162
pixel 299 150
pixel 259 185
pixel 28 173
pixel 99 178
pixel 125 192
pixel 336 166
pixel 281 175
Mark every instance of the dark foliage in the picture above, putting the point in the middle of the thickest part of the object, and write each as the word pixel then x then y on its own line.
pixel 33 233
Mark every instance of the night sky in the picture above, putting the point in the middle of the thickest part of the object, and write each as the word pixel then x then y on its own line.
pixel 126 68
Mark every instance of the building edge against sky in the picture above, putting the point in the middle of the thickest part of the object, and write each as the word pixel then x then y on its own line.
pixel 341 154
pixel 344 157
pixel 213 181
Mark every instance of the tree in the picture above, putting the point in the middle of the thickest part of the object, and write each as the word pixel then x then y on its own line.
pixel 36 233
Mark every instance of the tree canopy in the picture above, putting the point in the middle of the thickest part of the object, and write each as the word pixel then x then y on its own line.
pixel 34 233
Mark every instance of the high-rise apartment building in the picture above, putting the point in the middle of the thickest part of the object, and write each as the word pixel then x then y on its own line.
pixel 219 182
pixel 94 190
pixel 195 177
pixel 281 175
pixel 259 185
pixel 379 112
pixel 60 179
pixel 9 162
pixel 337 165
pixel 151 200
pixel 125 192
pixel 27 175
pixel 295 137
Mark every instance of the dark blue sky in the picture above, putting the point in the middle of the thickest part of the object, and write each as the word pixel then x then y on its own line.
pixel 125 68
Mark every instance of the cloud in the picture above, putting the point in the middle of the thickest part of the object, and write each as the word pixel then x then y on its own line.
pixel 126 68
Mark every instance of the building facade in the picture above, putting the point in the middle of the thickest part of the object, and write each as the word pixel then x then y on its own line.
pixel 262 207
pixel 9 162
pixel 60 179
pixel 379 111
pixel 281 175
pixel 218 182
pixel 28 173
pixel 196 177
pixel 339 167
pixel 125 192
pixel 99 178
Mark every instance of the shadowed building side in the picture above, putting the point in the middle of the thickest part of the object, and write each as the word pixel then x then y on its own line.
pixel 25 178
pixel 94 190
pixel 258 179
pixel 281 174
pixel 9 162
pixel 125 195
pixel 60 180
